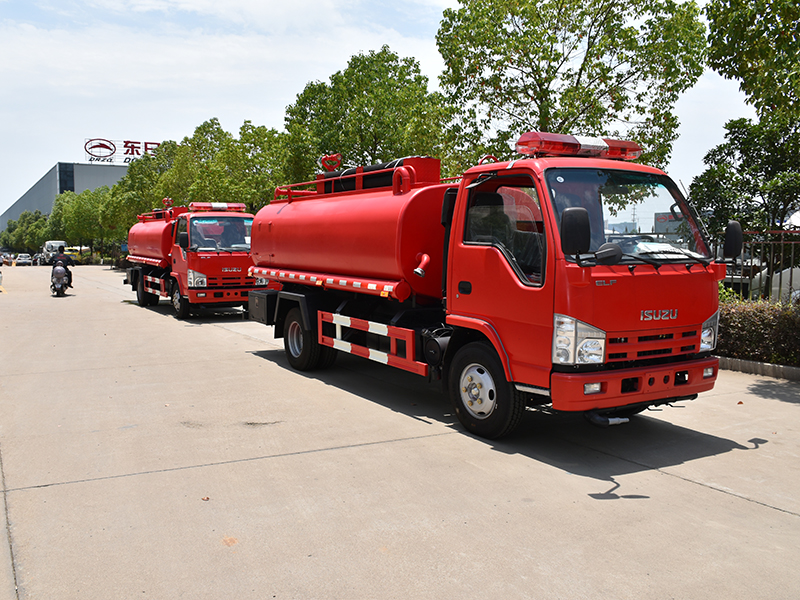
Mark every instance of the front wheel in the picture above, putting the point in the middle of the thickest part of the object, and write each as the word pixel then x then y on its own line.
pixel 302 349
pixel 485 402
pixel 179 303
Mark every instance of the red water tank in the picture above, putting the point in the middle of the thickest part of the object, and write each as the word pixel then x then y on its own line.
pixel 375 234
pixel 152 236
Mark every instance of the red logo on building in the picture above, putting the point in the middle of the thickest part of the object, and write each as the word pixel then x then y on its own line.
pixel 100 148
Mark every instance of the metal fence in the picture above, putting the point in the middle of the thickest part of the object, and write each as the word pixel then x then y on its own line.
pixel 768 268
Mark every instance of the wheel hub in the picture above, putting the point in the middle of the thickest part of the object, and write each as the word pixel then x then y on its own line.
pixel 478 392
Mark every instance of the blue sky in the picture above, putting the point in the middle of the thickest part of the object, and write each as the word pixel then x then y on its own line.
pixel 152 70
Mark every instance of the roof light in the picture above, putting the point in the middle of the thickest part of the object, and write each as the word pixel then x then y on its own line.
pixel 539 143
pixel 223 206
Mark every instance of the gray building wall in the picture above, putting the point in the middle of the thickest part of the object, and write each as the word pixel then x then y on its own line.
pixel 73 177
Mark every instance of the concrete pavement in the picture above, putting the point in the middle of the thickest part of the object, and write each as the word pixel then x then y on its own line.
pixel 146 457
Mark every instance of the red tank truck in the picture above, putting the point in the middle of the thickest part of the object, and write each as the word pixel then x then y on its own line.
pixel 570 279
pixel 195 256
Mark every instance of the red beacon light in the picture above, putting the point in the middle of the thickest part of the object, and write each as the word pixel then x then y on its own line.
pixel 539 143
pixel 223 206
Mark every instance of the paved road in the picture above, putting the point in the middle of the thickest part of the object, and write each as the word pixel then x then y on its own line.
pixel 146 457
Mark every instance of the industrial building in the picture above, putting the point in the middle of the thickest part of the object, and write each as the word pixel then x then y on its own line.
pixel 64 177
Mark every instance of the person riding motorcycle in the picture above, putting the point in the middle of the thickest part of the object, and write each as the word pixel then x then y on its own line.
pixel 66 262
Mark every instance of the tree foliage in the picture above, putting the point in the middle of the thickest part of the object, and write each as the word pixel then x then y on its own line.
pixel 758 43
pixel 588 67
pixel 25 234
pixel 377 109
pixel 754 176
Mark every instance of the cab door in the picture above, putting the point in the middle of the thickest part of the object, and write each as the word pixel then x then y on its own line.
pixel 501 273
pixel 179 260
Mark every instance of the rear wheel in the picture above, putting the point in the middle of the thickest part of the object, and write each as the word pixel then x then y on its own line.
pixel 302 349
pixel 485 402
pixel 179 303
pixel 144 298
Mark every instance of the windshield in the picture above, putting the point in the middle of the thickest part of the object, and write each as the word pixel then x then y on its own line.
pixel 643 213
pixel 229 233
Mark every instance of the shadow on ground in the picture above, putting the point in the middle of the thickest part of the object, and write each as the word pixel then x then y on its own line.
pixel 562 440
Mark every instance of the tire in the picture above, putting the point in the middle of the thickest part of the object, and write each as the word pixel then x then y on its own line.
pixel 144 298
pixel 485 402
pixel 300 344
pixel 327 356
pixel 179 303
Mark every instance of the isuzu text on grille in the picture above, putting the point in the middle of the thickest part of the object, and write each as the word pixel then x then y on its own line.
pixel 659 315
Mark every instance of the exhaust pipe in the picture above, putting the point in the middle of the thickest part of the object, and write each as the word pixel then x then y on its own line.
pixel 595 418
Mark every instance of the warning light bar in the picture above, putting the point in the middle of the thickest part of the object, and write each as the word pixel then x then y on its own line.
pixel 539 143
pixel 226 206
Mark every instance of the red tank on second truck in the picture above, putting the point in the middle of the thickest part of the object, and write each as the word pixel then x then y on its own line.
pixel 569 278
pixel 195 256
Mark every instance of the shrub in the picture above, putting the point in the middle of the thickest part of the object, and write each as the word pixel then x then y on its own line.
pixel 759 331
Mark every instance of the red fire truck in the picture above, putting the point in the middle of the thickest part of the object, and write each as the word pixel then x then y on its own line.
pixel 538 282
pixel 195 256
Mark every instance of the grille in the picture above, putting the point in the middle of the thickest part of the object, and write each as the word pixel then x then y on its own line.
pixel 231 281
pixel 643 345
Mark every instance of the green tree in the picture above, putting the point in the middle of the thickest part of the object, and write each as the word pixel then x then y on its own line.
pixel 137 191
pixel 754 176
pixel 757 42
pixel 590 67
pixel 377 109
pixel 26 233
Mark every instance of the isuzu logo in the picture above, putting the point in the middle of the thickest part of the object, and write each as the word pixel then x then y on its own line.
pixel 231 270
pixel 666 314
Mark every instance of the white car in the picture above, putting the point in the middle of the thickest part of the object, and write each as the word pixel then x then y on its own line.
pixel 24 259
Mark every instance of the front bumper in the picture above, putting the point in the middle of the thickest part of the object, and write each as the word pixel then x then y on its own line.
pixel 632 386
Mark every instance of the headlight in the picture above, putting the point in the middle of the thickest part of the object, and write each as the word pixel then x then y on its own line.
pixel 576 343
pixel 708 335
pixel 197 279
pixel 262 281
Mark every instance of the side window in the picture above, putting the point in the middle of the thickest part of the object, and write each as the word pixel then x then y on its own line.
pixel 510 218
pixel 181 227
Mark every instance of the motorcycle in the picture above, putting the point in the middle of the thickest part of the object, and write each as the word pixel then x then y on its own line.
pixel 59 281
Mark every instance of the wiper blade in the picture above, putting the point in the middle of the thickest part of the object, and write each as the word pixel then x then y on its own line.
pixel 684 253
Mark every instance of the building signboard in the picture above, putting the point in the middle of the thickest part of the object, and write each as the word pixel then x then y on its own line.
pixel 100 150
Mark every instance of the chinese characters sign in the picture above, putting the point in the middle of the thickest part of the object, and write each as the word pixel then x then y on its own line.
pixel 116 151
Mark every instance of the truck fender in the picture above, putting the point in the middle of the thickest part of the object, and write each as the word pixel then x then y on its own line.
pixel 308 303
pixel 469 329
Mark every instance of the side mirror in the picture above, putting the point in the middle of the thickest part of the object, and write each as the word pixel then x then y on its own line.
pixel 733 240
pixel 576 233
pixel 183 239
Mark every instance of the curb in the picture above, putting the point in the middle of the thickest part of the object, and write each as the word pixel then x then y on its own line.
pixel 757 368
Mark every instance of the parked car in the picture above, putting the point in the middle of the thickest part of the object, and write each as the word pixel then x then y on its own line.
pixel 74 254
pixel 24 260
pixel 37 259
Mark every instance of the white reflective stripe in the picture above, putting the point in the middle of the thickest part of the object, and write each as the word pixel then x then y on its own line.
pixel 282 274
pixel 291 275
pixel 341 320
pixel 388 288
pixel 273 273
pixel 372 286
pixel 343 282
pixel 378 356
pixel 330 280
pixel 356 284
pixel 343 346
pixel 313 279
pixel 219 205
pixel 378 328
pixel 302 277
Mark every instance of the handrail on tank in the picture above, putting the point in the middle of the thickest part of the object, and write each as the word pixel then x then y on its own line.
pixel 404 178
pixel 162 214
